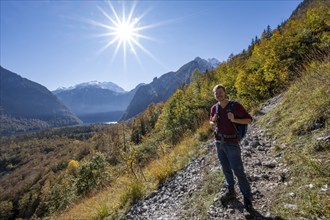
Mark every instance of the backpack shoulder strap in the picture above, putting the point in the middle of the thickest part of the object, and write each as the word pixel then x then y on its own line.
pixel 231 109
pixel 217 109
pixel 231 106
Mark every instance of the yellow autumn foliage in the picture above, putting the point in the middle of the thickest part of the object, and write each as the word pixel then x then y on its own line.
pixel 73 165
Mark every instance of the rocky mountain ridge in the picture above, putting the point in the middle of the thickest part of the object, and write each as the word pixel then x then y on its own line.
pixel 160 89
pixel 26 105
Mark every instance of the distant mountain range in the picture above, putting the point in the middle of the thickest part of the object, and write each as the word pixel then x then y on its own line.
pixel 26 105
pixel 105 101
pixel 160 89
pixel 95 101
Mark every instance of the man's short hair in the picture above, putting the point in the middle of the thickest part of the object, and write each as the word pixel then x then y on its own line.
pixel 218 87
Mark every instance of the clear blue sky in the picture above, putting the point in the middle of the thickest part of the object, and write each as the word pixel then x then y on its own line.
pixel 58 43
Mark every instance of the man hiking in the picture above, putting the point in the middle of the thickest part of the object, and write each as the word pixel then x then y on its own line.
pixel 226 115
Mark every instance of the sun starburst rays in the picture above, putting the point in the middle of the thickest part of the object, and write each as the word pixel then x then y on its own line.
pixel 122 30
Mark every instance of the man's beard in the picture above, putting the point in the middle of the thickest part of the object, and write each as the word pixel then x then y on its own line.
pixel 222 98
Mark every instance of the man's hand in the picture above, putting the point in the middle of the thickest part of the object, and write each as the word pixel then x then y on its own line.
pixel 231 116
pixel 243 121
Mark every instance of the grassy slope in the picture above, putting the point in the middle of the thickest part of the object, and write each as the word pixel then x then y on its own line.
pixel 296 124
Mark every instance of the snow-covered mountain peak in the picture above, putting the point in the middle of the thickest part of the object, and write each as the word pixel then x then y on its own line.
pixel 103 85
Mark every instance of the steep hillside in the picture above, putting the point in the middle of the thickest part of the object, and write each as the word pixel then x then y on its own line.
pixel 271 62
pixel 26 105
pixel 300 128
pixel 96 102
pixel 286 157
pixel 160 89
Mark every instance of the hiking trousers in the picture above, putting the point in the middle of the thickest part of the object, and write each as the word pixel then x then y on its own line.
pixel 229 155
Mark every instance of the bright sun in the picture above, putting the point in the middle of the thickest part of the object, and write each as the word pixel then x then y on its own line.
pixel 123 32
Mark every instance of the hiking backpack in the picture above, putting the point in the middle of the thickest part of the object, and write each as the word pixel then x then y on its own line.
pixel 241 129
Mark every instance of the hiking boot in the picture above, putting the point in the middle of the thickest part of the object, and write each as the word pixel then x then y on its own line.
pixel 248 204
pixel 229 195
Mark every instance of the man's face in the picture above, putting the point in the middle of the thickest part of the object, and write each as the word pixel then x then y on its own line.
pixel 220 94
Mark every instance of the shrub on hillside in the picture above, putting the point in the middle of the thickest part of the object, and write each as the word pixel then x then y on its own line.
pixel 133 192
pixel 61 195
pixel 73 166
pixel 6 209
pixel 91 174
